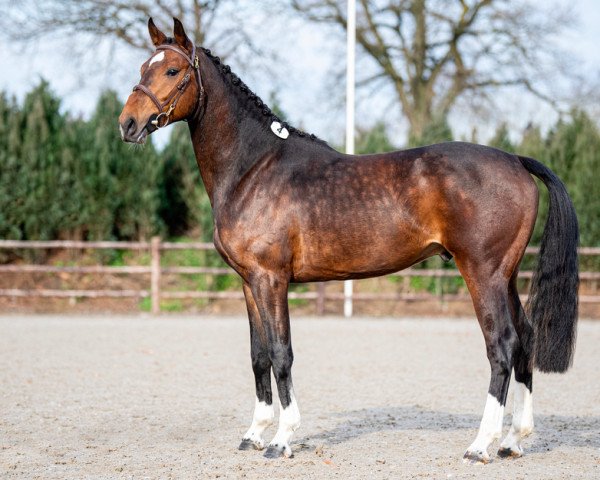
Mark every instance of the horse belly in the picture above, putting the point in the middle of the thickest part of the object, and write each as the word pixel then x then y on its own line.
pixel 384 244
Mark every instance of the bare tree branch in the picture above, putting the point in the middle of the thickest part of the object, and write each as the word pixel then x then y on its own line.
pixel 209 22
pixel 435 51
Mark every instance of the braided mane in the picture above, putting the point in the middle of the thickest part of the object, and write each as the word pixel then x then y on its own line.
pixel 261 106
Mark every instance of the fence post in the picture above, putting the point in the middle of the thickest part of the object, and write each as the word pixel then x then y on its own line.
pixel 320 298
pixel 155 275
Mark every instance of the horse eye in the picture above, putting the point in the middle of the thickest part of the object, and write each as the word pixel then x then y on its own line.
pixel 172 72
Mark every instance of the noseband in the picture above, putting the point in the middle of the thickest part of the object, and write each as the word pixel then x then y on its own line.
pixel 162 119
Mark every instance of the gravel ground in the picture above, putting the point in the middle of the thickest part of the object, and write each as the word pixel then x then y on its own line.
pixel 134 398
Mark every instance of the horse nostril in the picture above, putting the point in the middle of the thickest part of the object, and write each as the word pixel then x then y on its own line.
pixel 130 126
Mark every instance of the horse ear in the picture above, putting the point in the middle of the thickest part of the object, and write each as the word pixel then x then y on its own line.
pixel 180 36
pixel 157 37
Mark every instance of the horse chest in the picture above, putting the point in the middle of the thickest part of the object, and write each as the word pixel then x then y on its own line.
pixel 225 250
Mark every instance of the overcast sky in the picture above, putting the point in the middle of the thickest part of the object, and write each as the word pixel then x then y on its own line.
pixel 303 81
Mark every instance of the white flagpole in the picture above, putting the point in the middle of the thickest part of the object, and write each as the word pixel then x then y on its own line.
pixel 350 84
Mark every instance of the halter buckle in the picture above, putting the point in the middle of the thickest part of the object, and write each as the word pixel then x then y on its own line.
pixel 196 62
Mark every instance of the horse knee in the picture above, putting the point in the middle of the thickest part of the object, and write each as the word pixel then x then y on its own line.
pixel 281 357
pixel 281 354
pixel 260 362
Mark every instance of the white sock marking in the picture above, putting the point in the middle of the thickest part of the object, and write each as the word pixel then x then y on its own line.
pixel 522 420
pixel 289 421
pixel 159 57
pixel 262 419
pixel 490 428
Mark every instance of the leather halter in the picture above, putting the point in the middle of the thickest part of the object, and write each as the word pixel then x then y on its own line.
pixel 162 119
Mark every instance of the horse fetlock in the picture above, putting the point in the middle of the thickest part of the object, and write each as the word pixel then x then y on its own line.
pixel 477 453
pixel 278 449
pixel 263 420
pixel 511 445
pixel 521 431
pixel 515 451
pixel 254 436
pixel 252 444
pixel 289 421
pixel 526 427
pixel 255 432
pixel 476 457
pixel 264 415
pixel 294 425
pixel 526 430
pixel 281 440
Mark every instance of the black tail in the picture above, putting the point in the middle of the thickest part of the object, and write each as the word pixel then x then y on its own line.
pixel 552 303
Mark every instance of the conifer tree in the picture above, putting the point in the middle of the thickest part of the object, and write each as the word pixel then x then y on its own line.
pixel 40 183
pixel 574 154
pixel 185 207
pixel 501 139
pixel 120 180
pixel 374 140
pixel 533 143
pixel 437 131
pixel 75 146
pixel 10 133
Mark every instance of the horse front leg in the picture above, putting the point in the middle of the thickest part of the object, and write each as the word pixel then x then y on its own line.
pixel 261 365
pixel 270 293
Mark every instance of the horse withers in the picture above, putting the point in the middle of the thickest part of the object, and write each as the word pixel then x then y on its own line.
pixel 288 208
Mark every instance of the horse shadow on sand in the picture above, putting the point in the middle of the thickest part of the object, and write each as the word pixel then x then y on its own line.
pixel 551 431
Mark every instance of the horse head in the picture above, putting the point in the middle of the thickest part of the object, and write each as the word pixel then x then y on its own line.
pixel 170 88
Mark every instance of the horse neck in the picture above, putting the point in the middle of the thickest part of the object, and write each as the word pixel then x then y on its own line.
pixel 229 138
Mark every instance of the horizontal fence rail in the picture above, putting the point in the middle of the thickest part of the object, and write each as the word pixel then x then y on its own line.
pixel 155 272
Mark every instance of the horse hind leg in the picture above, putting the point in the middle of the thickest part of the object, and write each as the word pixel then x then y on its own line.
pixel 261 365
pixel 522 419
pixel 489 291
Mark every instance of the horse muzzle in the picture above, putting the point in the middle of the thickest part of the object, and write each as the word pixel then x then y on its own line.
pixel 133 132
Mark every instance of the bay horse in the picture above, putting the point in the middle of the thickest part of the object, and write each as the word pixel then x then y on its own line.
pixel 289 208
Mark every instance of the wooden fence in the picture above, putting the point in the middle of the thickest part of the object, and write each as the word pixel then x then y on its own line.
pixel 155 271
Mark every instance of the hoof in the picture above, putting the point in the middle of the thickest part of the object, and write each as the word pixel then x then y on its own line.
pixel 504 452
pixel 476 458
pixel 248 444
pixel 277 451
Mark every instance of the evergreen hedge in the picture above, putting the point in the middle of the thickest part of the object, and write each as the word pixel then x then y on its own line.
pixel 68 178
